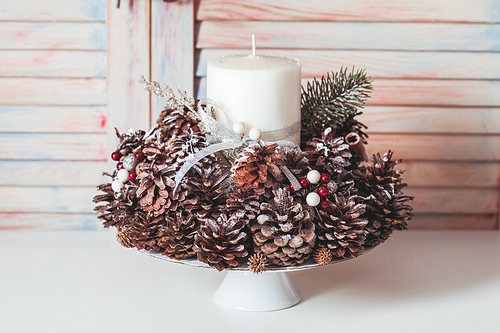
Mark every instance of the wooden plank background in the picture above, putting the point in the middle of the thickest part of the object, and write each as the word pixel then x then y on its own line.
pixel 53 112
pixel 69 70
pixel 436 72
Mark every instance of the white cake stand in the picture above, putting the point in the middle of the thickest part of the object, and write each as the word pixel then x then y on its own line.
pixel 246 291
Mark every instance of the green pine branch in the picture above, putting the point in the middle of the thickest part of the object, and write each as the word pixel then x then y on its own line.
pixel 334 100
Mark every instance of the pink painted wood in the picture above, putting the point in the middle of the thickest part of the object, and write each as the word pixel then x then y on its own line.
pixel 354 10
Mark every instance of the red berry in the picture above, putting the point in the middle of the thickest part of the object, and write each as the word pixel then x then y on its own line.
pixel 291 187
pixel 115 156
pixel 325 178
pixel 324 204
pixel 119 166
pixel 304 182
pixel 139 155
pixel 132 175
pixel 323 191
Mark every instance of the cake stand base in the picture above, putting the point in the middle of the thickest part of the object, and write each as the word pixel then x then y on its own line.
pixel 246 291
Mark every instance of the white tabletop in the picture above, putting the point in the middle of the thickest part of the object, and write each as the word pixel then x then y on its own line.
pixel 418 281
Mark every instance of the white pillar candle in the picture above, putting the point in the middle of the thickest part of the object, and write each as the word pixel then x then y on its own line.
pixel 261 91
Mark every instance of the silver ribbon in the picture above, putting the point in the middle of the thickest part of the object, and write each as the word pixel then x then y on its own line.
pixel 230 140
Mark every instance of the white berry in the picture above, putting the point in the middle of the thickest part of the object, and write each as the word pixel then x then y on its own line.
pixel 313 176
pixel 122 175
pixel 239 127
pixel 313 199
pixel 255 133
pixel 117 185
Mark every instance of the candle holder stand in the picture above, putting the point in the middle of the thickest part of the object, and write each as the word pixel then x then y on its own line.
pixel 245 291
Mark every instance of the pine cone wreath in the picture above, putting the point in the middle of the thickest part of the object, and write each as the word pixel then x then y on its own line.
pixel 341 227
pixel 387 207
pixel 257 167
pixel 328 154
pixel 220 243
pixel 178 236
pixel 283 231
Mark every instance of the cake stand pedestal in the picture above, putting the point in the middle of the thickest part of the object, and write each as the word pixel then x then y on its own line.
pixel 246 291
pixel 269 291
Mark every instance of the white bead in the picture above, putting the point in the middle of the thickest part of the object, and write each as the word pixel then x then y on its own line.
pixel 122 175
pixel 313 176
pixel 313 199
pixel 239 127
pixel 117 185
pixel 255 133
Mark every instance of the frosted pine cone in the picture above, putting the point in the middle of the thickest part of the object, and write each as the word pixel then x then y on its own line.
pixel 118 208
pixel 387 207
pixel 220 243
pixel 204 190
pixel 145 232
pixel 328 154
pixel 172 123
pixel 178 236
pixel 342 226
pixel 243 204
pixel 283 231
pixel 156 188
pixel 257 167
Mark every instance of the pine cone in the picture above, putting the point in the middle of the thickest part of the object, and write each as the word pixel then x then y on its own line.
pixel 257 263
pixel 244 204
pixel 341 227
pixel 145 233
pixel 178 236
pixel 257 167
pixel 204 190
pixel 119 208
pixel 329 154
pixel 387 207
pixel 323 256
pixel 172 123
pixel 122 236
pixel 156 188
pixel 283 232
pixel 296 161
pixel 220 243
pixel 130 142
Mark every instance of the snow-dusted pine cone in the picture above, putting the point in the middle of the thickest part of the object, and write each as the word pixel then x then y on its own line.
pixel 172 123
pixel 220 243
pixel 118 208
pixel 341 227
pixel 244 204
pixel 178 235
pixel 145 232
pixel 156 188
pixel 130 142
pixel 387 207
pixel 283 231
pixel 204 190
pixel 328 154
pixel 257 167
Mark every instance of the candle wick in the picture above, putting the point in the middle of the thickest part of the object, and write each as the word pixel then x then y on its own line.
pixel 253 45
